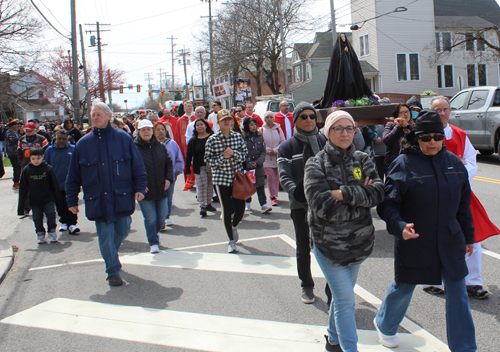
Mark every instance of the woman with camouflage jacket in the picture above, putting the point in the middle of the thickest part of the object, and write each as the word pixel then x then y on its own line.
pixel 341 185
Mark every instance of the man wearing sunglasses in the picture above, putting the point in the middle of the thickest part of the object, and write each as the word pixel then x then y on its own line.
pixel 216 106
pixel 293 154
pixel 458 143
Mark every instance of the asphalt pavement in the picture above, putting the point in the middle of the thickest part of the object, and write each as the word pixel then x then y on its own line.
pixel 194 296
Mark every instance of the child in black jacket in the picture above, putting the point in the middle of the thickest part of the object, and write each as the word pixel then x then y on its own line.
pixel 39 184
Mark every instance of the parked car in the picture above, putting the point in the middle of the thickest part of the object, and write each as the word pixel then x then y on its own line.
pixel 271 104
pixel 477 112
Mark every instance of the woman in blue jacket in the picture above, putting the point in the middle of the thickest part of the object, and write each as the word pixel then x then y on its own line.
pixel 426 208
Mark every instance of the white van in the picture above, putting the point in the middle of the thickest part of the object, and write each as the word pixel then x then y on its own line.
pixel 270 105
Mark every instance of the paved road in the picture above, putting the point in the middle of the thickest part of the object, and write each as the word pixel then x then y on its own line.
pixel 194 296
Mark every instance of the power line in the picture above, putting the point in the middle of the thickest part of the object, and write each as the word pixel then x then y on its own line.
pixel 53 15
pixel 46 20
pixel 159 14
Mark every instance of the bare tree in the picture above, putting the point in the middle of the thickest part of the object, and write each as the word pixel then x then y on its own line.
pixel 19 33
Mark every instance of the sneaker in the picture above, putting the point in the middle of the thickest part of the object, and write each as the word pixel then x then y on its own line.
pixel 73 230
pixel 248 207
pixel 203 212
pixel 231 248
pixel 265 209
pixel 434 290
pixel 332 348
pixel 236 237
pixel 114 280
pixel 164 226
pixel 63 227
pixel 210 208
pixel 215 199
pixel 168 222
pixel 154 249
pixel 274 202
pixel 16 185
pixel 478 292
pixel 385 340
pixel 41 239
pixel 53 237
pixel 159 240
pixel 308 295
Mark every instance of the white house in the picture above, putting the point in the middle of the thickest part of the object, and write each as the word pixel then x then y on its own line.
pixel 424 48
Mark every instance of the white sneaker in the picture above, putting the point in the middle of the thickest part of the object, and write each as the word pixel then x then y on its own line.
pixel 154 249
pixel 385 340
pixel 248 207
pixel 73 229
pixel 41 239
pixel 159 239
pixel 168 222
pixel 231 248
pixel 63 227
pixel 265 209
pixel 236 237
pixel 53 237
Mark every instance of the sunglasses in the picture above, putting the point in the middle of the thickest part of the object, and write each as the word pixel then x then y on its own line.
pixel 437 138
pixel 238 110
pixel 311 116
pixel 340 129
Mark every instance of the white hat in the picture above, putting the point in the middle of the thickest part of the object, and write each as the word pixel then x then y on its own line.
pixel 145 123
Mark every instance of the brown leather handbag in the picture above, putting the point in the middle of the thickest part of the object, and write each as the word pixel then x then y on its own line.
pixel 243 187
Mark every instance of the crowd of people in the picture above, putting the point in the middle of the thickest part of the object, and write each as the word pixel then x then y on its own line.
pixel 333 177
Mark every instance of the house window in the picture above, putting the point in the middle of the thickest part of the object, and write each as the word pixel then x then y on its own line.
pixel 443 41
pixel 37 114
pixel 445 76
pixel 308 71
pixel 297 74
pixel 295 57
pixel 480 46
pixel 364 47
pixel 470 39
pixel 408 67
pixel 476 75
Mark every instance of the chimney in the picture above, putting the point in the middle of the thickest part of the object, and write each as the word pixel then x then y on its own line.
pixel 22 69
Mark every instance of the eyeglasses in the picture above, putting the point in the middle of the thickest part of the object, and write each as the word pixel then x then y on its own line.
pixel 340 130
pixel 404 112
pixel 445 110
pixel 238 110
pixel 311 116
pixel 436 137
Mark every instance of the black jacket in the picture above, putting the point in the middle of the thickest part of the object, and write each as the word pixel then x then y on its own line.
pixel 256 153
pixel 39 184
pixel 158 167
pixel 433 193
pixel 195 153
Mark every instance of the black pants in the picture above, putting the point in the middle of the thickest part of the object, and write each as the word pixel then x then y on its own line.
pixel 67 217
pixel 226 202
pixel 379 164
pixel 303 252
pixel 16 167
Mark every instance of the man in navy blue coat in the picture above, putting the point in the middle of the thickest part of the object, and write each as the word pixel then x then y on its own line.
pixel 107 164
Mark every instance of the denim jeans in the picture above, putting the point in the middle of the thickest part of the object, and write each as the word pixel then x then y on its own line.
pixel 111 236
pixel 341 322
pixel 459 324
pixel 50 212
pixel 154 212
pixel 169 199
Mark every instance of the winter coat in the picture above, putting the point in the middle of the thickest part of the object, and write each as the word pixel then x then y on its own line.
pixel 195 154
pixel 342 230
pixel 158 167
pixel 273 137
pixel 11 141
pixel 291 167
pixel 59 159
pixel 392 138
pixel 175 154
pixel 432 192
pixel 256 153
pixel 23 148
pixel 107 164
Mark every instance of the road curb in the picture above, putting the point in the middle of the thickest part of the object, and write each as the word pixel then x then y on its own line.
pixel 6 258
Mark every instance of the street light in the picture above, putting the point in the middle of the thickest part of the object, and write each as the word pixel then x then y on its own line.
pixel 355 27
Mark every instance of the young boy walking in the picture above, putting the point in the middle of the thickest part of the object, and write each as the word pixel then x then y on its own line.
pixel 39 184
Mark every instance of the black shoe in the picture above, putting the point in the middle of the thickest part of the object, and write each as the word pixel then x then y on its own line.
pixel 478 292
pixel 332 348
pixel 115 280
pixel 203 212
pixel 434 290
pixel 210 208
pixel 215 199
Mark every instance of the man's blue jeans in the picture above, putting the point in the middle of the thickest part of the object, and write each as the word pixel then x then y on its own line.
pixel 459 324
pixel 111 236
pixel 169 199
pixel 154 212
pixel 341 323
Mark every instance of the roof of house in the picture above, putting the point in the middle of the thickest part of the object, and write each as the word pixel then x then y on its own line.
pixel 37 105
pixel 367 68
pixel 488 10
pixel 475 22
pixel 302 49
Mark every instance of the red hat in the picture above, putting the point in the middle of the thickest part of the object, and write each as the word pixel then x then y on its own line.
pixel 30 126
pixel 142 112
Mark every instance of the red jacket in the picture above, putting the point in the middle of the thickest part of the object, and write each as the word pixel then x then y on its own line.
pixel 279 118
pixel 260 123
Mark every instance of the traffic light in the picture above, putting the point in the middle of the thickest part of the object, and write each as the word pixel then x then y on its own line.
pixel 162 92
pixel 138 88
pixel 150 92
pixel 121 89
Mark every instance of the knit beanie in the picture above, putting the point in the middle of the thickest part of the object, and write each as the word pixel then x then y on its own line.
pixel 334 117
pixel 428 121
pixel 301 107
pixel 413 102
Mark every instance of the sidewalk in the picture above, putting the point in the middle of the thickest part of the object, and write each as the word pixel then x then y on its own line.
pixel 6 252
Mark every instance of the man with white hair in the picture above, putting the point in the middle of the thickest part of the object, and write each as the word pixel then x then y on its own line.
pixel 199 113
pixel 107 164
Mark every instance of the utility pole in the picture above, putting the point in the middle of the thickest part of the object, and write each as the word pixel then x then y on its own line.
pixel 334 26
pixel 99 53
pixel 172 52
pixel 110 87
pixel 202 79
pixel 183 53
pixel 74 45
pixel 164 74
pixel 211 34
pixel 283 46
pixel 149 77
pixel 85 74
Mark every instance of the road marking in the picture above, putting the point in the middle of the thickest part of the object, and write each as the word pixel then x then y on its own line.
pixel 491 254
pixel 193 331
pixel 486 179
